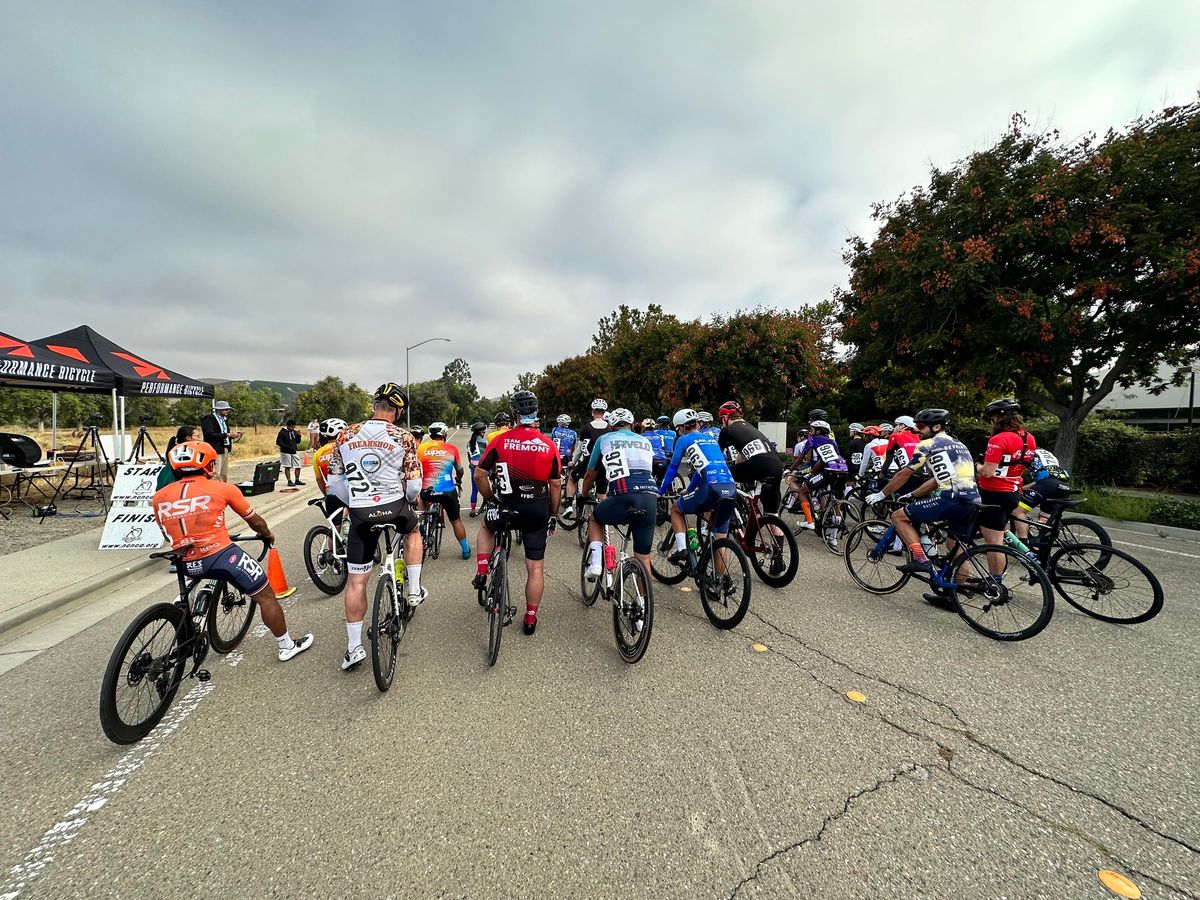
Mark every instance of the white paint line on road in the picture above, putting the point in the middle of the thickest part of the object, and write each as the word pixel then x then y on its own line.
pixel 1158 549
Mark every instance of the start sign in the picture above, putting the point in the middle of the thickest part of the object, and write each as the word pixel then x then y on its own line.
pixel 135 482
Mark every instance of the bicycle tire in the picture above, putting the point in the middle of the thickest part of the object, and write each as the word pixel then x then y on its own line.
pixel 980 606
pixel 581 525
pixel 1104 581
pixel 831 532
pixel 1077 530
pixel 660 564
pixel 229 615
pixel 385 633
pixel 588 590
pixel 632 642
pixel 779 558
pixel 874 575
pixel 715 593
pixel 165 619
pixel 497 605
pixel 325 570
pixel 435 542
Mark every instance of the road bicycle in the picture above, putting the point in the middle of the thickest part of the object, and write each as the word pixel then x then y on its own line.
pixel 493 596
pixel 625 584
pixel 719 568
pixel 766 539
pixel 150 659
pixel 432 524
pixel 583 515
pixel 391 613
pixel 998 590
pixel 325 550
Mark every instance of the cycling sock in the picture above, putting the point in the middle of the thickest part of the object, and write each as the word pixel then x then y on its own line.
pixel 594 553
pixel 806 508
pixel 465 546
pixel 680 540
pixel 285 641
pixel 353 635
pixel 481 564
pixel 531 613
pixel 918 552
pixel 412 574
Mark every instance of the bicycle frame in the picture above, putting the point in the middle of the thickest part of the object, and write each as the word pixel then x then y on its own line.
pixel 942 578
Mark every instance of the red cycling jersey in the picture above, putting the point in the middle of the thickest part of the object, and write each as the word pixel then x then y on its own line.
pixel 1011 451
pixel 191 512
pixel 522 463
pixel 902 442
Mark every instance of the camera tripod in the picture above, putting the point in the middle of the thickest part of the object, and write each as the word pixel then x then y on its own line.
pixel 91 438
pixel 139 445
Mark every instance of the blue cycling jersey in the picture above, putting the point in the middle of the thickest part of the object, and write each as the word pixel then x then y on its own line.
pixel 702 452
pixel 713 431
pixel 626 460
pixel 662 441
pixel 564 439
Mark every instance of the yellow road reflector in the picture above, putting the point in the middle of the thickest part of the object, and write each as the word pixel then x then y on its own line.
pixel 686 589
pixel 857 696
pixel 758 648
pixel 1119 884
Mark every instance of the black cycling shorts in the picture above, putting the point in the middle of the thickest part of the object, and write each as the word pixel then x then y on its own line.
pixel 766 468
pixel 531 519
pixel 232 564
pixel 619 509
pixel 360 546
pixel 1048 488
pixel 1002 503
pixel 449 501
pixel 329 504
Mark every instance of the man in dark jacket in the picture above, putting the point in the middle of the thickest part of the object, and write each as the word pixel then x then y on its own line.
pixel 220 436
pixel 288 442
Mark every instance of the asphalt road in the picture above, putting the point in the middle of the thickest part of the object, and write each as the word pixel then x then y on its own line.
pixel 710 769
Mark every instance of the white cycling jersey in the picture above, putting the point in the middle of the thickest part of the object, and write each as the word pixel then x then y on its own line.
pixel 374 463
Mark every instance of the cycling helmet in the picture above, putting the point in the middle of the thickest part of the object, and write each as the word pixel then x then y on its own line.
pixel 685 417
pixel 479 426
pixel 871 431
pixel 886 428
pixel 192 458
pixel 392 393
pixel 664 420
pixel 704 416
pixel 906 421
pixel 563 420
pixel 502 418
pixel 649 423
pixel 524 406
pixel 1001 406
pixel 934 417
pixel 331 428
pixel 820 425
pixel 438 430
pixel 619 416
pixel 418 431
pixel 814 414
pixel 729 409
pixel 599 404
pixel 856 428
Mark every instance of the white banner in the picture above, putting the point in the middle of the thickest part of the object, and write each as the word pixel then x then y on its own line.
pixel 136 481
pixel 131 528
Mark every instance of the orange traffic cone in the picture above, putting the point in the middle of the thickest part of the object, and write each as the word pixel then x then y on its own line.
pixel 307 459
pixel 275 576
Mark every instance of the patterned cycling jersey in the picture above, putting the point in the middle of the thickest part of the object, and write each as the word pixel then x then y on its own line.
pixel 564 439
pixel 949 461
pixel 824 448
pixel 440 465
pixel 743 437
pixel 191 512
pixel 627 461
pixel 662 441
pixel 713 431
pixel 703 454
pixel 475 445
pixel 900 445
pixel 522 463
pixel 588 436
pixel 376 459
pixel 1011 451
pixel 1046 465
pixel 872 461
pixel 320 462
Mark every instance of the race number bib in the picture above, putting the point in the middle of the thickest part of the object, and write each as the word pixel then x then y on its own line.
pixel 357 480
pixel 901 456
pixel 856 459
pixel 616 466
pixel 754 448
pixel 696 458
pixel 500 475
pixel 827 453
pixel 942 468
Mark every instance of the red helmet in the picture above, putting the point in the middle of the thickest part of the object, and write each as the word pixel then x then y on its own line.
pixel 195 456
pixel 729 408
pixel 871 431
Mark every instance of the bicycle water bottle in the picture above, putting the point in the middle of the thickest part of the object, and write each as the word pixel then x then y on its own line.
pixel 203 596
pixel 398 568
pixel 1015 542
pixel 610 557
pixel 928 546
pixel 693 541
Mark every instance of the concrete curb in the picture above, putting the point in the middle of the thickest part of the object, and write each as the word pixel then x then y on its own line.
pixel 65 598
pixel 1168 532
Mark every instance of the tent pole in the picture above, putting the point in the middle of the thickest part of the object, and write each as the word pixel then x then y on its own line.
pixel 121 453
pixel 54 420
pixel 114 399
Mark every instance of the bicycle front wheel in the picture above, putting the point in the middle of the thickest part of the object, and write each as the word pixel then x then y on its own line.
pixel 873 567
pixel 837 519
pixel 327 572
pixel 1002 593
pixel 497 605
pixel 581 525
pixel 1105 583
pixel 386 631
pixel 588 590
pixel 633 612
pixel 723 576
pixel 660 558
pixel 143 674
pixel 772 550
pixel 230 613
pixel 438 528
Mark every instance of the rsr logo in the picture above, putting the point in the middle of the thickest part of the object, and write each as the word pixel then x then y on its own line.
pixel 184 506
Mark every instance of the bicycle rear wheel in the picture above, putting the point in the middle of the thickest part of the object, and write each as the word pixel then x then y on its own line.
pixel 497 605
pixel 837 519
pixel 1105 583
pixel 588 590
pixel 230 613
pixel 723 576
pixel 873 569
pixel 436 529
pixel 581 524
pixel 660 558
pixel 633 613
pixel 327 572
pixel 386 631
pixel 1011 605
pixel 773 552
pixel 143 674
pixel 1076 530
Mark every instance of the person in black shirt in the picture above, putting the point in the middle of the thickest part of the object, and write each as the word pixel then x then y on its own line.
pixel 854 449
pixel 588 435
pixel 756 460
pixel 288 442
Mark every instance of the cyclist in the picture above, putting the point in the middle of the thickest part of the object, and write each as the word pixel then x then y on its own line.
pixel 564 437
pixel 475 445
pixel 899 450
pixel 871 466
pixel 626 459
pixel 1009 451
pixel 419 433
pixel 828 467
pixel 329 431
pixel 662 440
pixel 756 460
pixel 1049 480
pixel 500 424
pixel 442 480
pixel 375 470
pixel 707 425
pixel 521 469
pixel 947 464
pixel 588 435
pixel 854 449
pixel 191 513
pixel 712 488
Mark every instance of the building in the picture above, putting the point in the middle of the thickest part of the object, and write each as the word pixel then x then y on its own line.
pixel 1173 408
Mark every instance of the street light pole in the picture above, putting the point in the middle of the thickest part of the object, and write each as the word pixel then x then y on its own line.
pixel 408 382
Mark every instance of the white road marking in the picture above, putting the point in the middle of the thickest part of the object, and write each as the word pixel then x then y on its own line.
pixel 1157 549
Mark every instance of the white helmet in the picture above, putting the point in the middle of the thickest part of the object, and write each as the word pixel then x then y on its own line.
pixel 649 423
pixel 856 426
pixel 564 420
pixel 907 422
pixel 331 428
pixel 685 417
pixel 704 416
pixel 885 428
pixel 438 429
pixel 598 403
pixel 820 425
pixel 619 415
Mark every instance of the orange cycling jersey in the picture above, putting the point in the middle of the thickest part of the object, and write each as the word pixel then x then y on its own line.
pixel 191 513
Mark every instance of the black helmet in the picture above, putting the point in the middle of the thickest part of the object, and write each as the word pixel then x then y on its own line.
pixel 1001 406
pixel 814 414
pixel 524 405
pixel 479 426
pixel 502 418
pixel 664 420
pixel 392 393
pixel 933 417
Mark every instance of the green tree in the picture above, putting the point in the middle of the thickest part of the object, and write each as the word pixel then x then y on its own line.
pixel 461 389
pixel 526 381
pixel 1056 271
pixel 431 402
pixel 639 347
pixel 332 398
pixel 570 386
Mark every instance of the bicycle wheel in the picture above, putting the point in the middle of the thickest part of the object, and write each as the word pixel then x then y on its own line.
pixel 633 613
pixel 723 576
pixel 436 528
pixel 773 552
pixel 1076 530
pixel 588 590
pixel 497 605
pixel 230 613
pixel 581 525
pixel 327 572
pixel 1012 605
pixel 836 520
pixel 660 562
pixel 1121 590
pixel 386 630
pixel 872 569
pixel 143 674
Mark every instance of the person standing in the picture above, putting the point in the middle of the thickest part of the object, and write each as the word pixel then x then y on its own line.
pixel 220 436
pixel 314 436
pixel 288 442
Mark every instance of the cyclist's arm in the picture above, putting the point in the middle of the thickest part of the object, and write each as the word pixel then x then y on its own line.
pixel 260 526
pixel 898 480
pixel 925 489
pixel 555 485
pixel 672 467
pixel 483 474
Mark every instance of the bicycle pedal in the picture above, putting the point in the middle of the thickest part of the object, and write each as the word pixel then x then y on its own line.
pixel 203 675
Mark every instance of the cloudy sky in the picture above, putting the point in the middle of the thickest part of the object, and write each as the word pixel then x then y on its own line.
pixel 287 190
